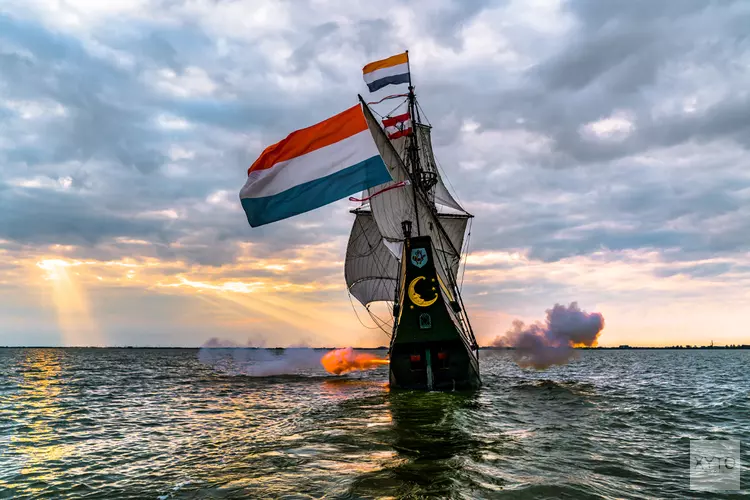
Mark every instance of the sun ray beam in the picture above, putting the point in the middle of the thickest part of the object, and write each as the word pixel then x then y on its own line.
pixel 74 319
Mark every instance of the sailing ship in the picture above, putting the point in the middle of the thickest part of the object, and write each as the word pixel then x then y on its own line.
pixel 406 241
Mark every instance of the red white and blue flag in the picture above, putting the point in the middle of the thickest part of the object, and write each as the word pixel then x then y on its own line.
pixel 397 126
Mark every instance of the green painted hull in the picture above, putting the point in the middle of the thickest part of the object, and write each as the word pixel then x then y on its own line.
pixel 431 347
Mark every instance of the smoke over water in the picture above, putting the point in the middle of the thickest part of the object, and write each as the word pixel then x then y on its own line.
pixel 340 361
pixel 232 358
pixel 542 345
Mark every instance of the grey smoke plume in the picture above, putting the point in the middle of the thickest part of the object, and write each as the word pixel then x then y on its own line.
pixel 231 358
pixel 542 345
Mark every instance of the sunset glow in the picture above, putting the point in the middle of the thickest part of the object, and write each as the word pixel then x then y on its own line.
pixel 70 302
pixel 240 302
pixel 590 178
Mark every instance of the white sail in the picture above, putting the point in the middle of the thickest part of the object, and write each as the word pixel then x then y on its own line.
pixel 395 205
pixel 370 269
pixel 455 227
pixel 400 145
pixel 442 195
pixel 427 160
pixel 390 208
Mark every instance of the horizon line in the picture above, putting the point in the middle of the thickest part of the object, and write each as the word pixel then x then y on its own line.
pixel 498 348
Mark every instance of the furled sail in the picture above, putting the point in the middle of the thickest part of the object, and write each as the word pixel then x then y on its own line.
pixel 390 208
pixel 371 270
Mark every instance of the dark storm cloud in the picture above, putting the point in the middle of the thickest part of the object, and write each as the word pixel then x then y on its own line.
pixel 615 60
pixel 696 271
pixel 595 14
pixel 371 35
pixel 445 24
pixel 110 133
pixel 701 217
pixel 104 118
pixel 622 57
pixel 223 98
pixel 622 45
pixel 36 216
pixel 319 37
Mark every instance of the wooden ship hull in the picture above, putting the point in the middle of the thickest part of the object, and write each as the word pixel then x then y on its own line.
pixel 430 348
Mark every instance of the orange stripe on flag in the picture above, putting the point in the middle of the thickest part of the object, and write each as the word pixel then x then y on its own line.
pixel 300 142
pixel 386 63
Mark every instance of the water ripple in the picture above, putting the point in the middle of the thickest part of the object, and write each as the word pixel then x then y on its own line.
pixel 158 424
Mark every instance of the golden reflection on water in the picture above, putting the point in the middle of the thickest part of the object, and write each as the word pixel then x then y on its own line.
pixel 38 411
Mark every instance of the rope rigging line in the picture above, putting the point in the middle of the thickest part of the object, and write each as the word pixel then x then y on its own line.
pixel 378 321
pixel 444 259
pixel 382 269
pixel 394 109
pixel 454 192
pixel 466 254
pixel 391 111
pixel 381 323
pixel 466 332
pixel 392 96
pixel 357 315
pixel 422 113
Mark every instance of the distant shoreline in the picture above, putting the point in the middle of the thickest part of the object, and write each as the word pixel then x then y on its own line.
pixel 380 348
pixel 628 347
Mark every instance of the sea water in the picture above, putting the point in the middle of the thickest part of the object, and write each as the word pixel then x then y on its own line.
pixel 168 423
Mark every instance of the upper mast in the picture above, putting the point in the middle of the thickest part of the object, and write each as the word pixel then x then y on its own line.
pixel 413 150
pixel 424 176
pixel 425 179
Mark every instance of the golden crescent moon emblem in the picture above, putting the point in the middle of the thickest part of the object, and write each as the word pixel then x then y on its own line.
pixel 416 298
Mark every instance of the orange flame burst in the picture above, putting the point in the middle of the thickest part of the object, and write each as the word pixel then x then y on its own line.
pixel 340 361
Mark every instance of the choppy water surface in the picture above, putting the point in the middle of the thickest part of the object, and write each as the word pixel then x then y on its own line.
pixel 139 423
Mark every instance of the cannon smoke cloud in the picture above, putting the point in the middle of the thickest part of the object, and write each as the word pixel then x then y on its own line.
pixel 231 358
pixel 542 345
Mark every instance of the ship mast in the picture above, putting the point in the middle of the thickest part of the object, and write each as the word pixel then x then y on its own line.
pixel 413 148
pixel 425 179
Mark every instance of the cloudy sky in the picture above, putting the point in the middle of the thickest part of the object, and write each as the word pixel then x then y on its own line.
pixel 602 146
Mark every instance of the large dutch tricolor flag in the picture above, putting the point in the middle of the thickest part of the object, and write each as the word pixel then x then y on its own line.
pixel 312 167
pixel 392 70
